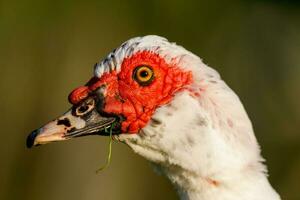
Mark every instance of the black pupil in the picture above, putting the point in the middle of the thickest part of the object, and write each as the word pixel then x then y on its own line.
pixel 83 108
pixel 144 73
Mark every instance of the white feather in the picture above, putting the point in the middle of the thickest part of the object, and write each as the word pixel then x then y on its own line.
pixel 205 145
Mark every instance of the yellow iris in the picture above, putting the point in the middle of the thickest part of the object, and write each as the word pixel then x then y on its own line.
pixel 143 75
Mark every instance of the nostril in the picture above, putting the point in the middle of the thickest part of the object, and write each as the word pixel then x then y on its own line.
pixel 30 139
pixel 64 121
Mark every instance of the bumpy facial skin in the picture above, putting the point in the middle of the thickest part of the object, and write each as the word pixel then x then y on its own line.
pixel 127 97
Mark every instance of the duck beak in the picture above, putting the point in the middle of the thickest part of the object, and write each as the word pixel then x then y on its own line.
pixel 80 120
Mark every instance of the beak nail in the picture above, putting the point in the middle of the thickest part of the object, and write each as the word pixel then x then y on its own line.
pixel 30 139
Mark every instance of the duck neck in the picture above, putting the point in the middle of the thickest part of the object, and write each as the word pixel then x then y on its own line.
pixel 246 185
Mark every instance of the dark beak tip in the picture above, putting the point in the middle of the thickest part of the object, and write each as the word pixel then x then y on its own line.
pixel 30 139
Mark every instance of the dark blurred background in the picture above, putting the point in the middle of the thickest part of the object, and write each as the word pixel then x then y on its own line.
pixel 49 47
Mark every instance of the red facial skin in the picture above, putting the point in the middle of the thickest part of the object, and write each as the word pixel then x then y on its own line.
pixel 124 96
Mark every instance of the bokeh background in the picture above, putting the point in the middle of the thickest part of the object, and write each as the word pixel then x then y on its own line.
pixel 48 47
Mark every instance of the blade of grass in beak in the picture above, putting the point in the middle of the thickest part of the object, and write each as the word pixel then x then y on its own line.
pixel 107 163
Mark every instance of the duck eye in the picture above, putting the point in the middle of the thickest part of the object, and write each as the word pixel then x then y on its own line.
pixel 85 107
pixel 143 75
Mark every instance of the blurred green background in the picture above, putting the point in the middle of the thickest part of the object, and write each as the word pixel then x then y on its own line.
pixel 49 47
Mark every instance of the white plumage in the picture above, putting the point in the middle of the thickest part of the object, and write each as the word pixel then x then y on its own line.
pixel 204 144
